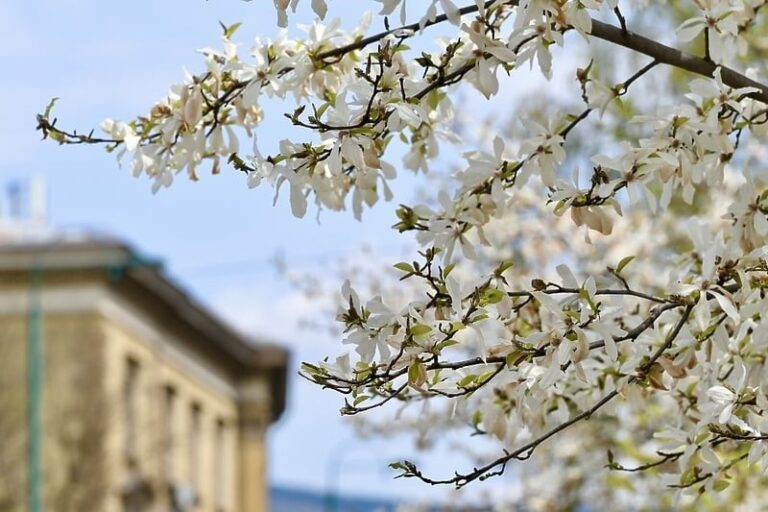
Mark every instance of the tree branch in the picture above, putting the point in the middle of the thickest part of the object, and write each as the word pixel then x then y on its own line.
pixel 411 27
pixel 607 32
pixel 525 451
pixel 663 459
pixel 675 57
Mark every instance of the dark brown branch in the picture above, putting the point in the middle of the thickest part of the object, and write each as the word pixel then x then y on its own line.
pixel 351 409
pixel 49 129
pixel 668 341
pixel 555 289
pixel 345 386
pixel 740 437
pixel 541 351
pixel 702 477
pixel 663 459
pixel 673 57
pixel 617 35
pixel 412 27
pixel 639 329
pixel 601 30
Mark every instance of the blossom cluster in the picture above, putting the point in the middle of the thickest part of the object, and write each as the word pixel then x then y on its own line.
pixel 633 291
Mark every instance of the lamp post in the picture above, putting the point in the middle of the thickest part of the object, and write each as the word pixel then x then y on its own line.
pixel 334 467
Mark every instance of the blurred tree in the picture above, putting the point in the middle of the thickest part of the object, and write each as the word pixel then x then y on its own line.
pixel 74 418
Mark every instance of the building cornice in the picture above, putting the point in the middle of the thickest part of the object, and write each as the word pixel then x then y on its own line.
pixel 144 285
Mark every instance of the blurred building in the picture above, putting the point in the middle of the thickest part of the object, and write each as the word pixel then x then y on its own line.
pixel 119 393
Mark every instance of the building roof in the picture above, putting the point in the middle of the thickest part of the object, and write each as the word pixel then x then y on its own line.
pixel 145 283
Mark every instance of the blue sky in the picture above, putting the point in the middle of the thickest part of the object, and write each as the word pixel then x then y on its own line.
pixel 113 59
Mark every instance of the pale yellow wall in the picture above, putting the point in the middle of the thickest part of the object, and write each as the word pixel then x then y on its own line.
pixel 252 458
pixel 155 373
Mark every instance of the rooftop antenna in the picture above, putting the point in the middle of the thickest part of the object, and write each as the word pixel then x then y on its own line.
pixel 37 200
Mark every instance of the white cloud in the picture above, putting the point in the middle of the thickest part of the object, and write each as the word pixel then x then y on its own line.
pixel 272 313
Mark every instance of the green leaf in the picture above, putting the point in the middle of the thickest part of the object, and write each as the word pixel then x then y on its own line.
pixel 513 357
pixel 478 318
pixel 434 98
pixel 466 381
pixel 49 107
pixel 477 417
pixel 623 263
pixel 405 267
pixel 721 484
pixel 688 476
pixel 417 375
pixel 700 437
pixel 329 96
pixel 483 377
pixel 679 121
pixel 230 30
pixel 407 467
pixel 444 344
pixel 360 399
pixel 524 328
pixel 361 375
pixel 420 329
pixel 492 296
pixel 413 374
pixel 504 265
pixel 306 367
pixel 311 369
pixel 322 109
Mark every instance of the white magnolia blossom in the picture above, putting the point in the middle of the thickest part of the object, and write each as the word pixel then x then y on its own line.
pixel 621 347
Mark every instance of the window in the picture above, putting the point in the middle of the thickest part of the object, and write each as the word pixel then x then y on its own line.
pixel 169 453
pixel 195 439
pixel 131 405
pixel 218 465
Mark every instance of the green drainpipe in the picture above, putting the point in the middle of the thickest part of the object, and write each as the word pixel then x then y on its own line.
pixel 34 390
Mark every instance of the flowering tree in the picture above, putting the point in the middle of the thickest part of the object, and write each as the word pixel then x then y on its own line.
pixel 611 320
